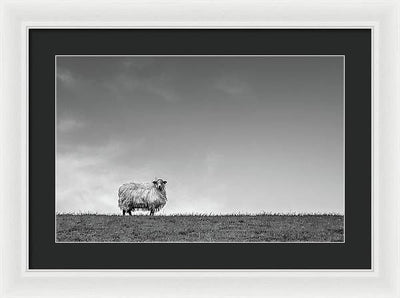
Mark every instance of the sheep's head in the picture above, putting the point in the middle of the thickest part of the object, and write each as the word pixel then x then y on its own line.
pixel 160 184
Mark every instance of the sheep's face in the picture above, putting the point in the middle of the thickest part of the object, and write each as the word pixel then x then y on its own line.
pixel 160 184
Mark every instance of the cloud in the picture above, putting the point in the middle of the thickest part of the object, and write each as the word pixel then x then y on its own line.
pixel 231 86
pixel 65 77
pixel 69 124
pixel 88 178
pixel 137 64
pixel 87 181
pixel 158 86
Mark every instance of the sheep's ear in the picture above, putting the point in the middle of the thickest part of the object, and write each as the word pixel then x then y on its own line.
pixel 154 181
pixel 165 182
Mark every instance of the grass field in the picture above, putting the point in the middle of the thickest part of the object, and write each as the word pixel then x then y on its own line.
pixel 199 228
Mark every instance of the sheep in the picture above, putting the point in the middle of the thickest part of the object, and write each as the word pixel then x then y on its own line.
pixel 145 196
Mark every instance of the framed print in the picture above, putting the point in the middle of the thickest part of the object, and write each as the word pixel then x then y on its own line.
pixel 200 156
pixel 246 112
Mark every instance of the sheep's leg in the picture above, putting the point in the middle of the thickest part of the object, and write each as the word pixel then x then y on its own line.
pixel 123 212
pixel 130 212
pixel 152 212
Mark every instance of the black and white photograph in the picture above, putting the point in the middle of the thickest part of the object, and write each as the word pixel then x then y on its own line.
pixel 241 149
pixel 200 148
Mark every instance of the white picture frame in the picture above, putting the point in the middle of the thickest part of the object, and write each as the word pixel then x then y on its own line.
pixel 383 17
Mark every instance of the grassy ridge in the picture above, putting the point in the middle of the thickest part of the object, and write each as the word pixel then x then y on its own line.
pixel 199 228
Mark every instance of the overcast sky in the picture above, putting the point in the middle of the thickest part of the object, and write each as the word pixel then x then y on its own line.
pixel 229 134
